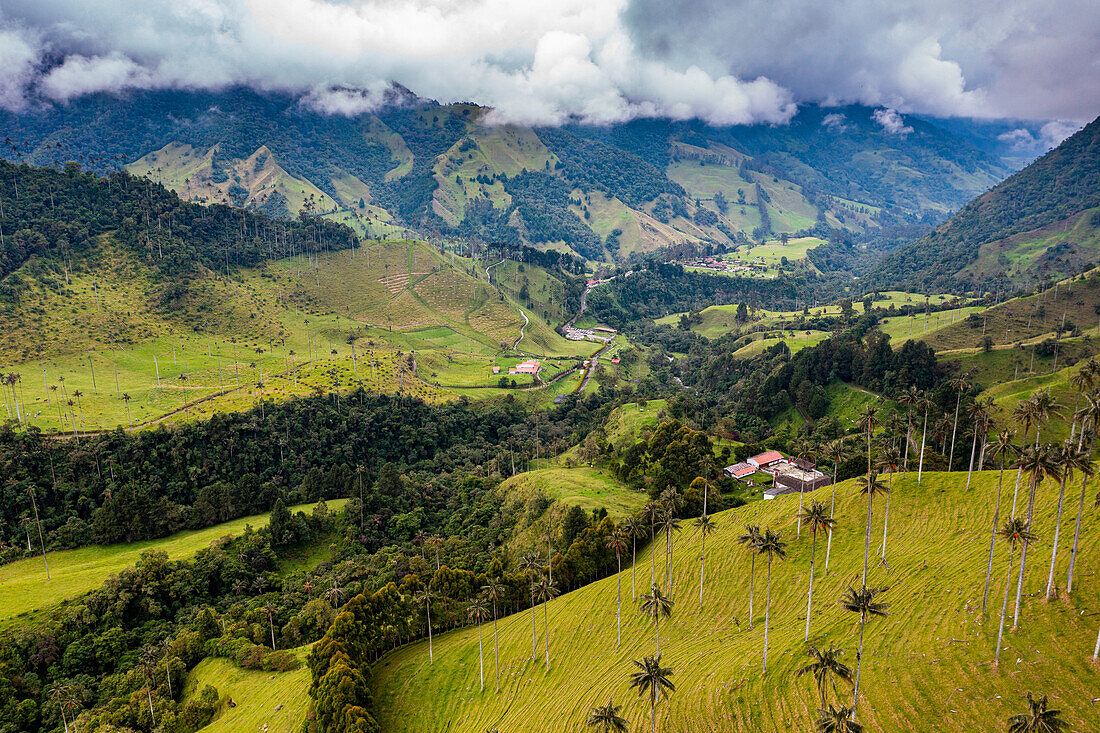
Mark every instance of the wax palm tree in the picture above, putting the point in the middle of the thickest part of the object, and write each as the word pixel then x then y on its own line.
pixel 816 516
pixel 426 596
pixel 1090 420
pixel 888 462
pixel 270 609
pixel 1038 718
pixel 910 397
pixel 531 565
pixel 862 601
pixel 751 540
pixel 617 542
pixel 925 404
pixel 1023 412
pixel 1003 449
pixel 656 604
pixel 826 668
pixel 546 591
pixel 147 660
pixel 978 411
pixel 651 512
pixel 607 718
pixel 869 485
pixel 706 526
pixel 837 720
pixel 960 385
pixel 495 591
pixel 1071 459
pixel 1081 381
pixel 653 680
pixel 1044 408
pixel 1037 463
pixel 1014 532
pixel 634 529
pixel 835 451
pixel 867 422
pixel 477 610
pixel 770 544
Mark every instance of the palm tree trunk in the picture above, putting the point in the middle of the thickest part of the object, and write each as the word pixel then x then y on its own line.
pixel 993 539
pixel 149 695
pixel 1019 472
pixel 908 430
pixel 801 493
pixel 657 620
pixel 867 541
pixel 973 448
pixel 496 649
pixel 951 457
pixel 767 613
pixel 1057 530
pixel 1004 607
pixel 924 435
pixel 633 566
pixel 1023 554
pixel 619 604
pixel 546 632
pixel 652 554
pixel 859 663
pixel 1077 530
pixel 832 512
pixel 431 654
pixel 480 655
pixel 534 643
pixel 653 709
pixel 886 517
pixel 1096 649
pixel 810 599
pixel 752 585
pixel 702 569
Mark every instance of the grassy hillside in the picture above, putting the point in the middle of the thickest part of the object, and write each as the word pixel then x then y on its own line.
pixel 587 488
pixel 927 666
pixel 24 588
pixel 268 701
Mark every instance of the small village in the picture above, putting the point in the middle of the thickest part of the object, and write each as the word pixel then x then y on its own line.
pixel 788 475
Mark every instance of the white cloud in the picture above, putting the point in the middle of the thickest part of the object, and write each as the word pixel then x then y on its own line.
pixel 345 101
pixel 1055 131
pixel 891 121
pixel 835 122
pixel 19 54
pixel 80 75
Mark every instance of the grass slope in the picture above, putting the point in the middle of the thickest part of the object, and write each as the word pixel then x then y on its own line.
pixel 24 588
pixel 926 666
pixel 588 488
pixel 256 695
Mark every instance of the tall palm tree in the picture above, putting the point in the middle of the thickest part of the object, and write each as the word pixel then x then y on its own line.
pixel 1045 407
pixel 1038 718
pixel 477 610
pixel 835 451
pixel 671 525
pixel 706 526
pixel 1090 421
pixel 1081 381
pixel 1072 459
pixel 888 462
pixel 869 485
pixel 148 661
pixel 816 516
pixel 651 512
pixel 546 591
pixel 656 604
pixel 531 566
pixel 837 720
pixel 926 404
pixel 1014 532
pixel 751 540
pixel 495 591
pixel 607 718
pixel 1037 463
pixel 426 596
pixel 959 384
pixel 772 545
pixel 867 422
pixel 270 609
pixel 617 542
pixel 862 601
pixel 978 411
pixel 652 679
pixel 1003 448
pixel 634 529
pixel 910 397
pixel 826 668
pixel 1023 412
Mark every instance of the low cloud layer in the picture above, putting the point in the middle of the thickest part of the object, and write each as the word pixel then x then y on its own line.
pixel 724 61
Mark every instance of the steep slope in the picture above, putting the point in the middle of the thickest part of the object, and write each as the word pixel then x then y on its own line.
pixel 926 666
pixel 604 192
pixel 1044 221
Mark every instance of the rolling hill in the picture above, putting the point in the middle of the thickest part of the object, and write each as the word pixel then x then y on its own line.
pixel 1042 222
pixel 927 665
pixel 603 193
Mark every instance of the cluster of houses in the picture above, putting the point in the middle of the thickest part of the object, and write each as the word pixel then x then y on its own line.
pixel 717 264
pixel 788 475
pixel 531 366
pixel 596 333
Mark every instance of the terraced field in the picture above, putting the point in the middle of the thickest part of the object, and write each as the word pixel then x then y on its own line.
pixel 927 666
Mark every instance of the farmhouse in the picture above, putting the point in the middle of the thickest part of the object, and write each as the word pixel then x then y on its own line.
pixel 763 460
pixel 531 366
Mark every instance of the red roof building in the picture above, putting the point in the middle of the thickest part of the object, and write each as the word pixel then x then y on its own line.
pixel 739 470
pixel 765 459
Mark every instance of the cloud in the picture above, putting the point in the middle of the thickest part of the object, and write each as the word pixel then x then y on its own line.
pixel 725 61
pixel 1049 135
pixel 891 121
pixel 835 122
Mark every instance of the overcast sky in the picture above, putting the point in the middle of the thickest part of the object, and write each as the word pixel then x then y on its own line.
pixel 544 61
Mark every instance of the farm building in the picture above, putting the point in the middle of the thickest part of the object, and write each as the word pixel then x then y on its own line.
pixel 740 470
pixel 763 460
pixel 531 366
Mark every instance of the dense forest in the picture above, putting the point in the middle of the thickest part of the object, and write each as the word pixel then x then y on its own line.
pixel 52 213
